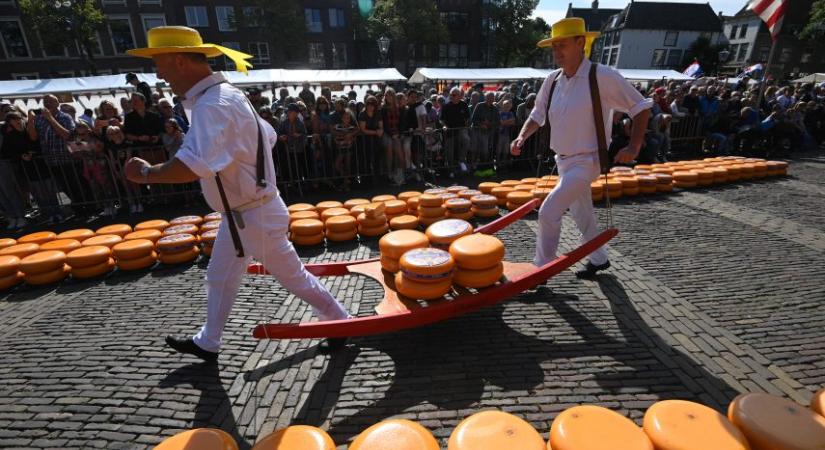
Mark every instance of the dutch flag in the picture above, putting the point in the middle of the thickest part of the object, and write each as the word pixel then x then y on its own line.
pixel 694 70
pixel 752 71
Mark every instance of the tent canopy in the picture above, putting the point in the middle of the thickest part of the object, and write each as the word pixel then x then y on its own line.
pixel 812 78
pixel 105 83
pixel 513 73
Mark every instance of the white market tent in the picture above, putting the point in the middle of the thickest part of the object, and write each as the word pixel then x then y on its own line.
pixel 424 74
pixel 812 78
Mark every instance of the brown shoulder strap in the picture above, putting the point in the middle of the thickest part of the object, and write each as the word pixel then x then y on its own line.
pixel 598 118
pixel 550 98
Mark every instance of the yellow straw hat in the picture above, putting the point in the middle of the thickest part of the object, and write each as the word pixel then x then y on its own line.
pixel 570 27
pixel 172 39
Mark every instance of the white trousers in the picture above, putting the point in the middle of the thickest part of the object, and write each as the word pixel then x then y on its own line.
pixel 573 192
pixel 264 237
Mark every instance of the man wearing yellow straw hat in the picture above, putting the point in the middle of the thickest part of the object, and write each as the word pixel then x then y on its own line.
pixel 228 148
pixel 578 101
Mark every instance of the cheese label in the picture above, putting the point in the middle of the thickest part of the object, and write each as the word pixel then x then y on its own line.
pixel 450 227
pixel 435 191
pixel 185 219
pixel 427 257
pixel 186 228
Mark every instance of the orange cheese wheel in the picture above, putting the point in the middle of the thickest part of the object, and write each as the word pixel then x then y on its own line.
pixel 40 237
pixel 306 227
pixel 427 265
pixel 424 291
pixel 342 236
pixel 485 212
pixel 42 262
pixel 531 180
pixel 118 229
pixel 501 191
pixel 427 221
pixel 107 240
pixel 159 225
pixel 332 212
pixel 63 245
pixel 176 243
pixel 614 194
pixel 646 180
pixel 746 171
pixel 818 402
pixel 614 184
pixel 456 189
pixel 734 172
pixel 396 243
pixel 139 263
pixel 495 430
pixel 342 223
pixel 477 251
pixel 88 256
pixel 647 189
pixel 664 188
pixel 133 249
pixel 11 280
pixel 298 239
pixel 435 191
pixel 79 235
pixel 375 209
pixel 478 278
pixel 541 193
pixel 431 211
pixel 201 439
pixel 371 222
pixel 389 264
pixel 373 231
pixel 629 192
pixel 357 210
pixel 349 204
pixel 590 427
pixel 620 169
pixel 50 277
pixel 184 228
pixel 463 216
pixel 9 265
pixel 383 198
pixel 298 207
pixel 395 434
pixel 597 187
pixel 485 201
pixel 93 271
pixel 208 238
pixel 323 206
pixel 152 235
pixel 295 437
pixel 663 178
pixel 511 206
pixel 412 204
pixel 458 205
pixel 181 257
pixel 685 184
pixel 404 222
pixel 211 225
pixel 446 196
pixel 487 186
pixel 212 216
pixel 194 220
pixel 683 425
pixel 720 175
pixel 394 206
pixel 407 195
pixel 769 422
pixel 760 169
pixel 21 250
pixel 469 193
pixel 8 242
pixel 524 187
pixel 510 183
pixel 628 182
pixel 303 215
pixel 643 167
pixel 430 200
pixel 442 233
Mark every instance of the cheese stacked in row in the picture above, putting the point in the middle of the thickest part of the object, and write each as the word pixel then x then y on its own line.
pixel 90 261
pixel 484 205
pixel 443 233
pixel 178 248
pixel 209 231
pixel 478 258
pixel 431 208
pixel 10 274
pixel 425 273
pixel 394 244
pixel 373 221
pixel 136 254
pixel 519 197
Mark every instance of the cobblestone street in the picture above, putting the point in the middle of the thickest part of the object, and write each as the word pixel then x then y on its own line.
pixel 712 292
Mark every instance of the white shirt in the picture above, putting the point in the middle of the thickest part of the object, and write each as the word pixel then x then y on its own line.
pixel 223 139
pixel 571 111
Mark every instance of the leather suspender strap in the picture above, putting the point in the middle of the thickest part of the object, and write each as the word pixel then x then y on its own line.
pixel 598 118
pixel 230 217
pixel 550 98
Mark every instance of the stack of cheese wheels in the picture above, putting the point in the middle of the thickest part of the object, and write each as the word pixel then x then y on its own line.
pixel 297 207
pixel 118 229
pixel 306 232
pixel 524 187
pixel 487 186
pixel 541 193
pixel 510 183
pixel 664 182
pixel 412 205
pixel 177 248
pixel 7 242
pixel 184 228
pixel 44 267
pixel 573 429
pixel 334 212
pixel 685 179
pixel 426 274
pixel 518 198
pixel 720 174
pixel 430 208
pixel 135 254
pixel 300 211
pixel 341 228
pixel 353 202
pixel 211 225
pixel 746 171
pixel 62 245
pixel 469 193
pixel 79 235
pixel 630 185
pixel 684 425
pixel 373 221
pixel 202 439
pixel 459 208
pixel 435 191
pixel 208 240
pixel 90 260
pixel 770 422
pixel 157 224
pixel 393 434
pixel 395 208
pixel 777 168
pixel 734 172
pixel 407 196
pixel 531 180
pixel 597 190
pixel 647 184
pixel 150 234
pixel 404 222
pixel 456 189
pixel 383 198
pixel 395 243
pixel 214 215
pixel 614 187
pixel 293 437
pixel 704 177
pixel 500 193
pixel 106 240
pixel 484 205
pixel 478 259
pixel 20 250
pixel 323 206
pixel 621 170
pixel 443 233
pixel 495 430
pixel 194 220
pixel 10 274
pixel 760 168
pixel 39 238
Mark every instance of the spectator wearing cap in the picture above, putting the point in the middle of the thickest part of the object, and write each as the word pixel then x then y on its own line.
pixel 455 118
pixel 293 163
pixel 485 121
pixel 306 95
pixel 141 86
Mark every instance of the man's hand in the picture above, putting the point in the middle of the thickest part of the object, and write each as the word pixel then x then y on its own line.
pixel 516 145
pixel 626 156
pixel 132 170
pixel 47 114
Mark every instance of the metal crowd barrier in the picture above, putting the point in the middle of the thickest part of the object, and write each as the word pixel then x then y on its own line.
pixel 687 134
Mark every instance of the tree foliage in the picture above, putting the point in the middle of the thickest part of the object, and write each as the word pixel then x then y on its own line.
pixel 411 21
pixel 815 28
pixel 707 53
pixel 514 31
pixel 286 18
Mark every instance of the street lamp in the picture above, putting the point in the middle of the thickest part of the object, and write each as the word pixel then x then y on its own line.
pixel 723 58
pixel 383 47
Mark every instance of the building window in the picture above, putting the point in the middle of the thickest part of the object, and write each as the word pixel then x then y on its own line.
pixel 313 20
pixel 734 50
pixel 316 54
pixel 733 29
pixel 149 2
pixel 227 62
pixel 452 55
pixel 807 55
pixel 259 52
pixel 455 19
pixel 113 2
pixel 253 16
pixel 97 48
pixel 605 55
pixel 120 28
pixel 674 58
pixel 617 37
pixel 614 57
pixel 14 41
pixel 671 37
pixel 339 55
pixel 226 18
pixel 152 20
pixel 658 58
pixel 336 18
pixel 785 55
pixel 743 51
pixel 53 48
pixel 743 31
pixel 196 16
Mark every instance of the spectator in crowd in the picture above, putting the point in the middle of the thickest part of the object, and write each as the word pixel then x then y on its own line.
pixel 125 105
pixel 179 110
pixel 371 132
pixel 523 110
pixel 677 106
pixel 167 112
pixel 691 101
pixel 293 163
pixel 326 93
pixel 142 87
pixel 35 175
pixel 414 121
pixel 321 123
pixel 107 116
pixel 142 127
pixel 119 152
pixel 15 143
pixel 258 101
pixel 266 113
pixel 786 99
pixel 89 149
pixel 485 120
pixel 475 99
pixel 345 133
pixel 87 117
pixel 172 137
pixel 506 124
pixel 352 96
pixel 306 95
pixel 455 118
pixel 391 116
pixel 69 110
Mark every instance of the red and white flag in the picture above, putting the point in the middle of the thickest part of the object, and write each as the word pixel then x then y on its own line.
pixel 772 12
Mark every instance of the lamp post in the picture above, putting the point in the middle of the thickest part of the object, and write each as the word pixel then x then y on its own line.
pixel 383 48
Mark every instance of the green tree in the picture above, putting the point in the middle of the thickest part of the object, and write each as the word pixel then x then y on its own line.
pixel 62 22
pixel 411 21
pixel 705 52
pixel 527 52
pixel 282 22
pixel 815 29
pixel 514 30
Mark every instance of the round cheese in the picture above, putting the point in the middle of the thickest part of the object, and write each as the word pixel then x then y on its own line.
pixel 683 425
pixel 620 169
pixel 685 184
pixel 477 251
pixel 342 236
pixel 337 224
pixel 720 175
pixel 332 212
pixel 435 191
pixel 478 278
pixel 159 225
pixel 139 263
pixel 383 198
pixel 375 209
pixel 118 229
pixel 395 207
pixel 442 233
pixel 303 215
pixel 201 439
pixel 424 291
pixel 323 206
pixel 463 216
pixel 7 242
pixel 97 270
pixel 427 221
pixel 306 227
pixel 133 249
pixel 50 277
pixel 404 222
pixel 770 422
pixel 630 192
pixel 298 239
pixel 484 212
pixel 186 228
pixel 298 207
pixel 541 193
pixel 88 256
pixel 212 217
pixel 194 220
pixel 638 167
pixel 389 264
pixel 11 280
pixel 349 204
pixel 663 178
pixel 431 211
pixel 734 172
pixel 760 169
pixel 176 243
pixel 430 200
pixel 469 193
pixel 487 186
pixel 40 237
pixel 9 265
pixel 458 205
pixel 597 187
pixel 400 434
pixel 646 180
pixel 531 180
pixel 664 187
pixel 106 240
pixel 510 183
pixel 374 231
pixel 152 235
pixel 211 225
pixel 524 187
pixel 374 222
pixel 407 195
pixel 456 189
pixel 573 429
pixel 628 182
pixel 519 197
pixel 427 265
pixel 495 430
pixel 501 192
pixel 63 245
pixel 647 189
pixel 294 437
pixel 412 205
pixel 208 238
pixel 818 402
pixel 396 243
pixel 79 235
pixel 746 171
pixel 181 257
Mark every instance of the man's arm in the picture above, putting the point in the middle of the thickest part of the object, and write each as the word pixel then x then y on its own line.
pixel 56 126
pixel 30 127
pixel 172 171
pixel 527 130
pixel 637 137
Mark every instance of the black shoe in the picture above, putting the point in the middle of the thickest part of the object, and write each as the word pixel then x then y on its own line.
pixel 189 346
pixel 332 345
pixel 590 270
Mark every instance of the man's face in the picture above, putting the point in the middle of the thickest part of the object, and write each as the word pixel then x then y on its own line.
pixel 50 102
pixel 137 103
pixel 455 97
pixel 568 50
pixel 489 99
pixel 165 109
pixel 169 67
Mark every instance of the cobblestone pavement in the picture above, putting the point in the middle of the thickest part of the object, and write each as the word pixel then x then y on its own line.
pixel 712 292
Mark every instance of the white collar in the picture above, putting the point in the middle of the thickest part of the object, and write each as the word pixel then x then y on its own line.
pixel 200 88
